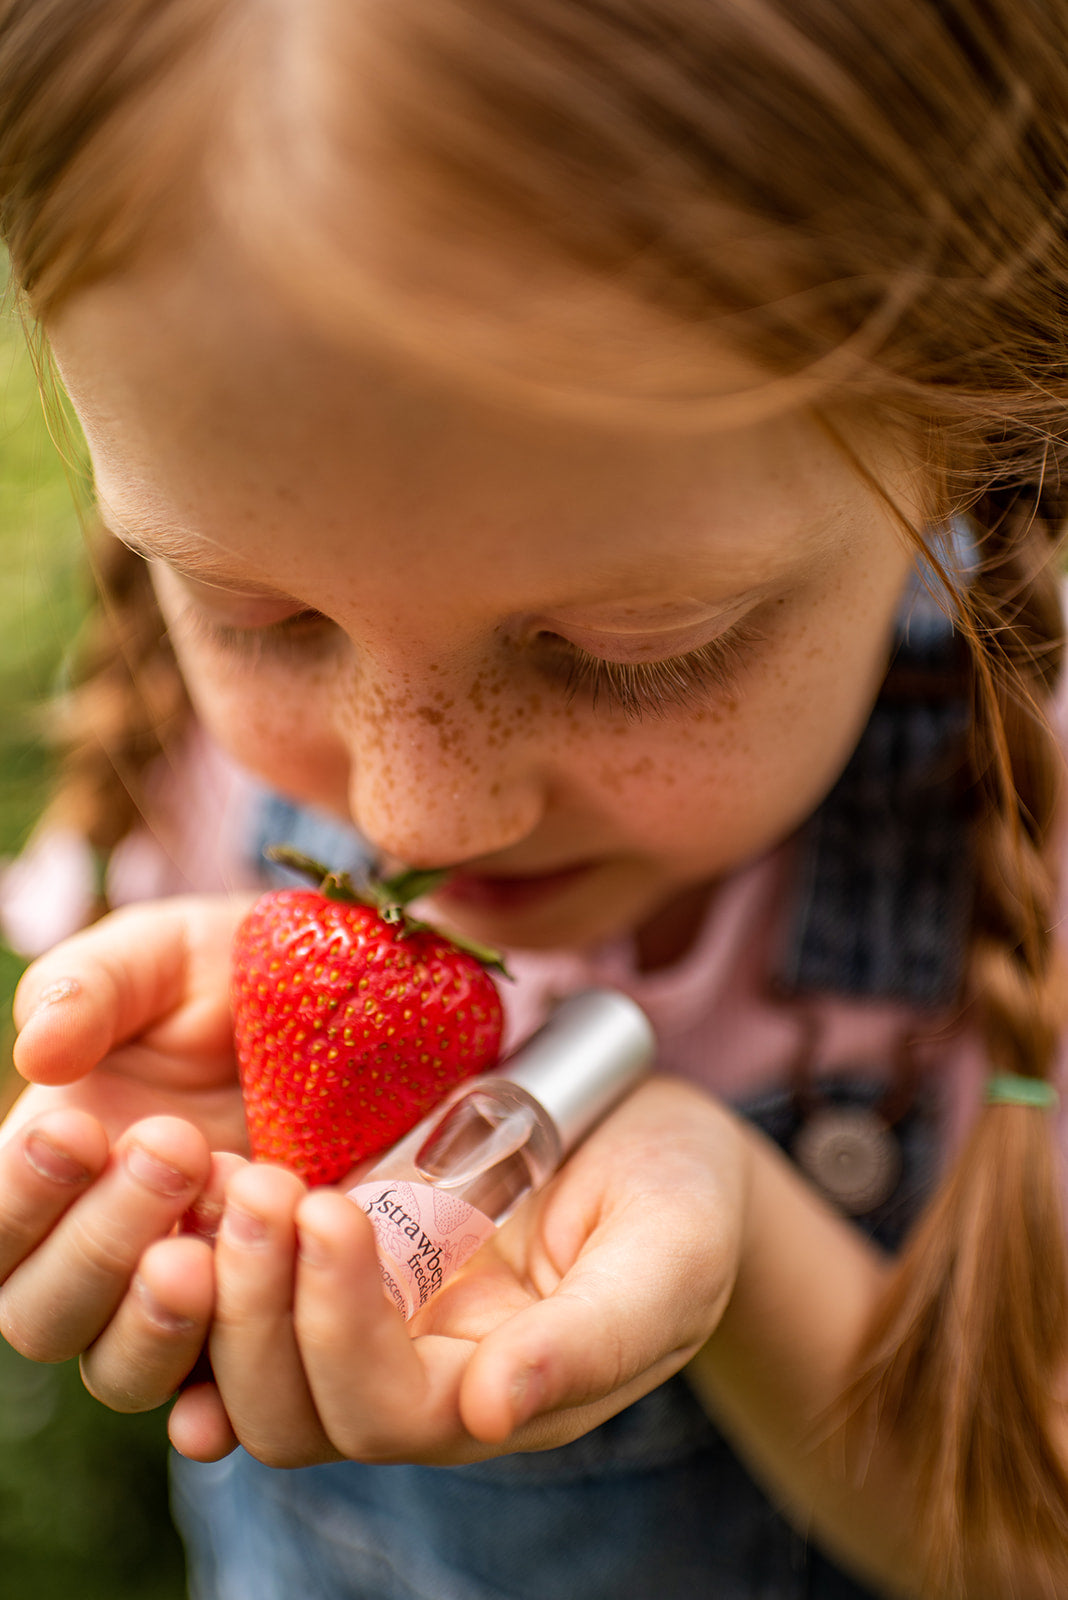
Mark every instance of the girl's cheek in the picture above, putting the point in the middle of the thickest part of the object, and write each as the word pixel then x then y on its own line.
pixel 270 729
pixel 653 776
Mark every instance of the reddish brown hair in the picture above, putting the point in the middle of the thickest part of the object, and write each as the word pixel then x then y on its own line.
pixel 869 203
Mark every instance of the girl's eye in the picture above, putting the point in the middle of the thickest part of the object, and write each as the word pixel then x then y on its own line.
pixel 652 688
pixel 304 636
pixel 635 688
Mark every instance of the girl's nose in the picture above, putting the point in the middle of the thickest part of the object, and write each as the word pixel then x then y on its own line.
pixel 433 787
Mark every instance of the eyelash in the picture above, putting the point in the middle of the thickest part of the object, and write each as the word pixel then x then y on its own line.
pixel 634 688
pixel 656 688
pixel 305 635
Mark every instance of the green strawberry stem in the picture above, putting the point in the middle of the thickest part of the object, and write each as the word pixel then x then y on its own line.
pixel 388 896
pixel 406 886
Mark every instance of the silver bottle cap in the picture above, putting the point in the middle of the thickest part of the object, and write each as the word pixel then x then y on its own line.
pixel 596 1046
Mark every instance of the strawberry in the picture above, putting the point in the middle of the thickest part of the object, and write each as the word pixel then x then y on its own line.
pixel 351 1020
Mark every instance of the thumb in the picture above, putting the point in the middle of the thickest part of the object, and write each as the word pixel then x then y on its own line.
pixel 112 982
pixel 646 1223
pixel 62 1027
pixel 606 1336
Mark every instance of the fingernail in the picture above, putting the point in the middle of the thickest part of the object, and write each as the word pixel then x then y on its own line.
pixel 159 1314
pixel 52 1162
pixel 312 1249
pixel 242 1228
pixel 527 1394
pixel 154 1173
pixel 62 989
pixel 202 1219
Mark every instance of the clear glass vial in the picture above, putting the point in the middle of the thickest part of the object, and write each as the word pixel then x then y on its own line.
pixel 439 1193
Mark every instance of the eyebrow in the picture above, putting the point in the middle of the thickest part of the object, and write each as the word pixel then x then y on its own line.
pixel 184 555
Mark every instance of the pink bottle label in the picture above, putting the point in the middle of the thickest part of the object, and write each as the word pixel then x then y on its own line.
pixel 423 1235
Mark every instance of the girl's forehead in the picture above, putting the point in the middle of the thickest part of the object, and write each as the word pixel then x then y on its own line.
pixel 218 420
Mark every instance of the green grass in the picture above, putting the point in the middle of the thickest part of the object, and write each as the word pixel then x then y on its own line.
pixel 43 584
pixel 83 1507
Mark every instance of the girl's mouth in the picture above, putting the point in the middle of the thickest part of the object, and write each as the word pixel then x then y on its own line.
pixel 502 893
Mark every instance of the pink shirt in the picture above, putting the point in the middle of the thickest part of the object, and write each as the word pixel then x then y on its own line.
pixel 717 1022
pixel 200 802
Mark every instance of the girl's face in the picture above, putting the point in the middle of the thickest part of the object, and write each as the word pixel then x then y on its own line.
pixel 593 668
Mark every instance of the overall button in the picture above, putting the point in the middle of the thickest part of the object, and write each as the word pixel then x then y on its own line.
pixel 851 1155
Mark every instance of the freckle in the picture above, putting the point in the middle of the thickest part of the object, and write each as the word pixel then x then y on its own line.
pixel 475 696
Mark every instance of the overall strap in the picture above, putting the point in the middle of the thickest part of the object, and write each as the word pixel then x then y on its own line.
pixel 884 889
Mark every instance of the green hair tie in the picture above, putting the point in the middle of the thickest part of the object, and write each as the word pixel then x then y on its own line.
pixel 1009 1089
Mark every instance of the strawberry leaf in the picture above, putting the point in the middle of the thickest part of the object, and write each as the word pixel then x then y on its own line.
pixel 388 896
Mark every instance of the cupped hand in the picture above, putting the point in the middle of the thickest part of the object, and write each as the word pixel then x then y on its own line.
pixel 595 1292
pixel 131 1018
pixel 125 1036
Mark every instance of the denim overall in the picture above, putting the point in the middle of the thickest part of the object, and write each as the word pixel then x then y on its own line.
pixel 654 1504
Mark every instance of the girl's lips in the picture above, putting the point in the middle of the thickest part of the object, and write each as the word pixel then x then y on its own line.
pixel 502 893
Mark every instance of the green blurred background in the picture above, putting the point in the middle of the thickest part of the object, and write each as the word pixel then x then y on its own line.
pixel 83 1493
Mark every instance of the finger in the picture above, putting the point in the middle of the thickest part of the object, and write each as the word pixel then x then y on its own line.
pixel 199 1427
pixel 44 1167
pixel 382 1397
pixel 137 969
pixel 56 1302
pixel 158 1331
pixel 205 1214
pixel 254 1350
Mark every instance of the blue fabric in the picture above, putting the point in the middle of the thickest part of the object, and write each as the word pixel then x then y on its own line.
pixel 277 820
pixel 673 1528
pixel 884 892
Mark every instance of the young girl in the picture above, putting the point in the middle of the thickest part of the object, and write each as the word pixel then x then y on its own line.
pixel 613 451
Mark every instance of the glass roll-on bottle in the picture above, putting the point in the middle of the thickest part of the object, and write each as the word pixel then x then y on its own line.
pixel 440 1192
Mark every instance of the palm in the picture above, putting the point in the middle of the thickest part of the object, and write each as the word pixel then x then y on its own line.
pixel 138 1083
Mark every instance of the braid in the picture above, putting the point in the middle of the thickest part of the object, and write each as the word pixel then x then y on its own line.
pixel 1015 972
pixel 127 706
pixel 968 1348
